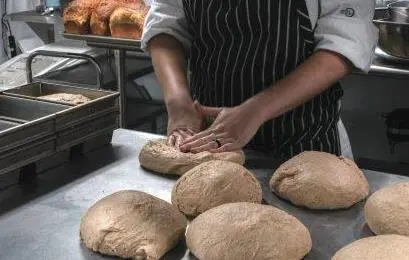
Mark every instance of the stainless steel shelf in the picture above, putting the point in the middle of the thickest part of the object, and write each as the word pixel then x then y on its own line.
pixel 34 17
pixel 107 42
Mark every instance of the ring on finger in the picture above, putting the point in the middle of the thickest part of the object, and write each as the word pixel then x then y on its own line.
pixel 218 143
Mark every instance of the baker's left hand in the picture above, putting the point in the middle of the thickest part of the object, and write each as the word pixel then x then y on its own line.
pixel 232 129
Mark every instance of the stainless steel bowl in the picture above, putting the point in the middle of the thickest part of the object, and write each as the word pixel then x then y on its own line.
pixel 399 11
pixel 394 38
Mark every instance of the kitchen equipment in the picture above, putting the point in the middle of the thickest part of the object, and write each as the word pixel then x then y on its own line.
pixel 13 159
pixel 399 11
pixel 24 121
pixel 393 37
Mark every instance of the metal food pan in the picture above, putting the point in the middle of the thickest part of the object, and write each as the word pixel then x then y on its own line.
pixel 38 89
pixel 25 120
pixel 84 132
pixel 83 113
pixel 23 155
pixel 102 101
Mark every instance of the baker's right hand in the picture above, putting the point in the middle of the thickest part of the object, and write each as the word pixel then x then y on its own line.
pixel 184 120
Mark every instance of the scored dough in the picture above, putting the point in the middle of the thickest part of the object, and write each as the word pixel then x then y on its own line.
pixel 214 183
pixel 132 224
pixel 243 231
pixel 387 210
pixel 319 180
pixel 159 157
pixel 383 247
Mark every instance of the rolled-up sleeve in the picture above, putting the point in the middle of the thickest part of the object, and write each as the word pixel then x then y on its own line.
pixel 345 27
pixel 168 17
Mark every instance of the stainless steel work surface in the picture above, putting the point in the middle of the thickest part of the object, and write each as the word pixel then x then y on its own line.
pixel 41 220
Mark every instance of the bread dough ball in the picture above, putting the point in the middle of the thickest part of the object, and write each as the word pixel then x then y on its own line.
pixel 159 157
pixel 132 224
pixel 319 180
pixel 72 99
pixel 243 231
pixel 387 210
pixel 212 184
pixel 384 247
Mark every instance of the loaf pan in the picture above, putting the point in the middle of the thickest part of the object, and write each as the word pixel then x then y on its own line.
pixel 86 131
pixel 25 120
pixel 26 154
pixel 101 101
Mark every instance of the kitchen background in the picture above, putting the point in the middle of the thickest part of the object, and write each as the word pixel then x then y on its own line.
pixel 368 99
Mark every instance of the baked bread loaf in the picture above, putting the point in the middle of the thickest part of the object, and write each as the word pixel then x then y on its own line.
pixel 99 22
pixel 244 231
pixel 132 224
pixel 159 157
pixel 128 22
pixel 319 180
pixel 387 210
pixel 214 183
pixel 77 16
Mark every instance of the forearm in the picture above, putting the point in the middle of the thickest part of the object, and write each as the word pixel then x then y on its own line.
pixel 169 62
pixel 314 76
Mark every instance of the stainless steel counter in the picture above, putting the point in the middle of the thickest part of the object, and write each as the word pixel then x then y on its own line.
pixel 41 220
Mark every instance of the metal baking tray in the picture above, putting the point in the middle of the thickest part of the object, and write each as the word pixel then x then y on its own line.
pixel 13 159
pixel 25 120
pixel 102 102
pixel 38 89
pixel 86 131
pixel 106 41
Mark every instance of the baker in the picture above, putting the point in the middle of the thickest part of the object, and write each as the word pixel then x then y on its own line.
pixel 268 71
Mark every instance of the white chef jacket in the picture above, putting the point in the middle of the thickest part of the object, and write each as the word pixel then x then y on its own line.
pixel 342 26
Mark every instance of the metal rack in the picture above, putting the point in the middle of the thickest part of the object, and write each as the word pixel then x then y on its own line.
pixel 120 46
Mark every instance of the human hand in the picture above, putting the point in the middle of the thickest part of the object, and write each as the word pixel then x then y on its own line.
pixel 184 120
pixel 232 129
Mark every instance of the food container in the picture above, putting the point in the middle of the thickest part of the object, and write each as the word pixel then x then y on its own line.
pixel 87 131
pixel 13 159
pixel 102 102
pixel 23 121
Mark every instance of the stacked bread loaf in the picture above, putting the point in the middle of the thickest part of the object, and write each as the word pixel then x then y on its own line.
pixel 118 18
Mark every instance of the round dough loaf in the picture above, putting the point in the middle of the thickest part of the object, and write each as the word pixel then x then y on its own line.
pixel 387 210
pixel 214 183
pixel 319 180
pixel 243 231
pixel 159 157
pixel 383 247
pixel 132 224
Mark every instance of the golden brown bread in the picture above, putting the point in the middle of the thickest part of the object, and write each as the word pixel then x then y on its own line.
pixel 128 22
pixel 77 16
pixel 100 17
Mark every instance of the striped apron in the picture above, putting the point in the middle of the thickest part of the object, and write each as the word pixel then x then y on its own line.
pixel 241 47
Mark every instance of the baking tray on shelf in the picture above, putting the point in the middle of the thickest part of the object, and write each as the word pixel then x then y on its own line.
pixel 108 42
pixel 84 132
pixel 24 120
pixel 102 102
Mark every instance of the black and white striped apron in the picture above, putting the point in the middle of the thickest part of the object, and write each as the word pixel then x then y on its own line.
pixel 241 47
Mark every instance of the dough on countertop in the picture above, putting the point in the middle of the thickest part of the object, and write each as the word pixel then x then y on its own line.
pixel 387 210
pixel 214 183
pixel 319 180
pixel 72 99
pixel 383 247
pixel 132 224
pixel 159 157
pixel 243 231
